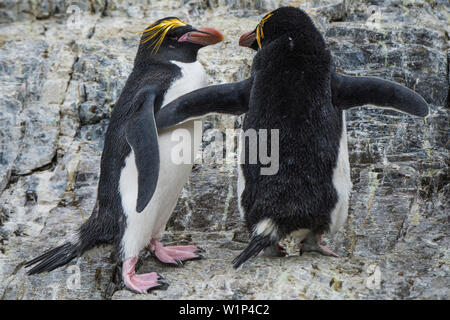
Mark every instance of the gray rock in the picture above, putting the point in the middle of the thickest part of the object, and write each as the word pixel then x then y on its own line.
pixel 61 73
pixel 19 10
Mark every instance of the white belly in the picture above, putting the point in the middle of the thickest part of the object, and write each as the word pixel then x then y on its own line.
pixel 151 222
pixel 342 183
pixel 241 178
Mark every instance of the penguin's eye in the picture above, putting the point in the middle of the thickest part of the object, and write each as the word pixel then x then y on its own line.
pixel 172 38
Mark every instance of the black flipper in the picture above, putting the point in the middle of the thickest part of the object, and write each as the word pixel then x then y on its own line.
pixel 230 98
pixel 142 137
pixel 349 92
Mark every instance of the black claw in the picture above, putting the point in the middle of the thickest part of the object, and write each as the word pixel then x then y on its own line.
pixel 161 277
pixel 176 263
pixel 199 249
pixel 164 286
pixel 200 256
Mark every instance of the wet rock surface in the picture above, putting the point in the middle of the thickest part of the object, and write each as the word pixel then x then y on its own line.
pixel 61 73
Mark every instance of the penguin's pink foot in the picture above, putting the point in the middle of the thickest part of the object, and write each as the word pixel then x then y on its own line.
pixel 174 254
pixel 140 283
pixel 313 243
pixel 275 250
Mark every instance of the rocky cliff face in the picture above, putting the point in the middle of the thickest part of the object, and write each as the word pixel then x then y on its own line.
pixel 62 67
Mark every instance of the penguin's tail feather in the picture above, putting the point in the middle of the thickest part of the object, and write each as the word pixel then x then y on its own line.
pixel 257 243
pixel 97 230
pixel 54 258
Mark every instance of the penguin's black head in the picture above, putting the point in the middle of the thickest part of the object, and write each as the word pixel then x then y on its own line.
pixel 284 21
pixel 174 39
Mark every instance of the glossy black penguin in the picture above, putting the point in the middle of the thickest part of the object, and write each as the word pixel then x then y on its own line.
pixel 139 185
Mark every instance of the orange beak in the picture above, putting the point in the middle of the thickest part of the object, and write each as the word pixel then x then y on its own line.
pixel 247 39
pixel 203 36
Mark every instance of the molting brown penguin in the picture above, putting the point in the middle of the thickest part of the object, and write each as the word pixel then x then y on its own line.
pixel 293 88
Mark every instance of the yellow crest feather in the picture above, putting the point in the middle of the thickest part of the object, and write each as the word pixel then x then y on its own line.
pixel 158 32
pixel 259 29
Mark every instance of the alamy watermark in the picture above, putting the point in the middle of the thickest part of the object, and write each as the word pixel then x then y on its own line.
pixel 373 280
pixel 73 282
pixel 255 147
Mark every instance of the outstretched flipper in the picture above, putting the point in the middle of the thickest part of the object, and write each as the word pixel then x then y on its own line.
pixel 230 98
pixel 142 137
pixel 349 92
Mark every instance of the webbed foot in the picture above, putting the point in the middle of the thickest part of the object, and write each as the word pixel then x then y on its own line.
pixel 175 254
pixel 312 243
pixel 140 283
